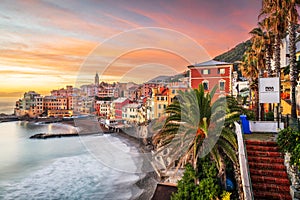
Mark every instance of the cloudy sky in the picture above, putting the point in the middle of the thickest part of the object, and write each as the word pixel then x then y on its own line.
pixel 46 44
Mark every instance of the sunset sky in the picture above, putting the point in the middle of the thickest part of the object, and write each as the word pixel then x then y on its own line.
pixel 47 44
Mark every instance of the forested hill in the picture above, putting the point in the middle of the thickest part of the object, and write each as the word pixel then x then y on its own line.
pixel 234 54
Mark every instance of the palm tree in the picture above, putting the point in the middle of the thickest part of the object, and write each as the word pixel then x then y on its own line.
pixel 250 70
pixel 274 11
pixel 291 5
pixel 275 15
pixel 195 127
pixel 269 40
pixel 259 47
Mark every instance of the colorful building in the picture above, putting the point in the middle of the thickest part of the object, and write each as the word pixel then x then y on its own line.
pixel 131 112
pixel 116 107
pixel 212 73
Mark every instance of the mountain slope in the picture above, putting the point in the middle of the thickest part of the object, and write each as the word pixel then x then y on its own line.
pixel 234 54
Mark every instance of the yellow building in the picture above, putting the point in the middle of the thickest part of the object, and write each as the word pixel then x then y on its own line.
pixel 60 113
pixel 161 101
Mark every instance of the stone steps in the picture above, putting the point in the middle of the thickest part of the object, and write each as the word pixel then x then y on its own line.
pixel 268 174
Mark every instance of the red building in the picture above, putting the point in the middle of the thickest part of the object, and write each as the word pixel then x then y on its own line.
pixel 117 106
pixel 211 73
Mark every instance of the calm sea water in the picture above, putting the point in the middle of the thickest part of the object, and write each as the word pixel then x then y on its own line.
pixel 61 168
pixel 7 104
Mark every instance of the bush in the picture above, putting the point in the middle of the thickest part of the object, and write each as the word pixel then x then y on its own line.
pixel 208 187
pixel 288 141
pixel 270 116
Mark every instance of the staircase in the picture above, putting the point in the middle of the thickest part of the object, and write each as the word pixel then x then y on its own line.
pixel 267 171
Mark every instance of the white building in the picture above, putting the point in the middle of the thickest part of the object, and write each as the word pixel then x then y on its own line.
pixel 102 109
pixel 131 112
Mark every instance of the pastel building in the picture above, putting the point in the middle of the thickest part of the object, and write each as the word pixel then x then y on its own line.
pixel 211 73
pixel 31 104
pixel 103 109
pixel 161 100
pixel 131 112
pixel 116 107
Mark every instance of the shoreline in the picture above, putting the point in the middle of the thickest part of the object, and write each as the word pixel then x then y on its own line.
pixel 148 180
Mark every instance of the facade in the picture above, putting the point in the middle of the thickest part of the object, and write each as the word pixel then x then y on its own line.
pixel 87 105
pixel 211 73
pixel 102 109
pixel 60 113
pixel 131 112
pixel 174 89
pixel 31 104
pixel 147 89
pixel 107 92
pixel 89 90
pixel 161 101
pixel 64 92
pixel 116 107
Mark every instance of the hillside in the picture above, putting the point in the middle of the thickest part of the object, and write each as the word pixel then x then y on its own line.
pixel 234 54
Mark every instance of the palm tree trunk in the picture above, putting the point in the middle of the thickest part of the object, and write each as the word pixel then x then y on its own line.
pixel 277 55
pixel 257 105
pixel 278 70
pixel 268 60
pixel 293 68
pixel 269 67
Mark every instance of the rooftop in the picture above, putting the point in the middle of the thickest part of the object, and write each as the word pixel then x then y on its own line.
pixel 209 63
pixel 120 100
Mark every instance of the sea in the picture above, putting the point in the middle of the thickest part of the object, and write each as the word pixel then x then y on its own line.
pixel 7 104
pixel 65 168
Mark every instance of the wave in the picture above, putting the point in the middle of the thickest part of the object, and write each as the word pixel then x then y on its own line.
pixel 76 177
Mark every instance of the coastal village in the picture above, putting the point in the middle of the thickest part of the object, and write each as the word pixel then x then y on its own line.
pixel 225 128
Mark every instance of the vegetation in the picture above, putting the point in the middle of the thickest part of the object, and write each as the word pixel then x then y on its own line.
pixel 234 54
pixel 276 19
pixel 188 125
pixel 288 141
pixel 208 187
pixel 197 127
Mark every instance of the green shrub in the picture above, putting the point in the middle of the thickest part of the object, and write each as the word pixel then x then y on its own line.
pixel 208 187
pixel 270 116
pixel 289 141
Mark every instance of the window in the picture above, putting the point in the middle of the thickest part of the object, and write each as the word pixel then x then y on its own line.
pixel 165 106
pixel 206 71
pixel 222 85
pixel 221 71
pixel 205 85
pixel 159 106
pixel 173 91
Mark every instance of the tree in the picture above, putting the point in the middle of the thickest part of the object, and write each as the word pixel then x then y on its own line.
pixel 195 127
pixel 208 187
pixel 275 15
pixel 292 14
pixel 249 68
pixel 188 125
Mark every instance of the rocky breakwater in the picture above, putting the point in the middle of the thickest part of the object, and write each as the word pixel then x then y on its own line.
pixel 85 126
pixel 50 135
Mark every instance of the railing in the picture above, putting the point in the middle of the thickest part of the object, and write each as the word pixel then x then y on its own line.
pixel 243 160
